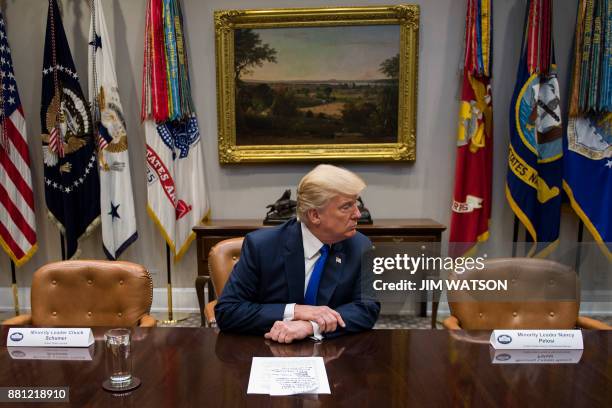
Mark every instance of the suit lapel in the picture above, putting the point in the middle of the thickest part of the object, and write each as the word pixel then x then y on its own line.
pixel 334 267
pixel 294 263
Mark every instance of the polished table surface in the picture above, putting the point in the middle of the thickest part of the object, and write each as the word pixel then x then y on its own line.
pixel 184 367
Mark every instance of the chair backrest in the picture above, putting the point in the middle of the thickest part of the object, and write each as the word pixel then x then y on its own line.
pixel 541 294
pixel 90 293
pixel 221 261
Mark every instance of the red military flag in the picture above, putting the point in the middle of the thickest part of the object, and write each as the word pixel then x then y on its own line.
pixel 176 188
pixel 471 208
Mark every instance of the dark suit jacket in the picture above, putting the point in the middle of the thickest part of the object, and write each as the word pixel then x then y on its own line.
pixel 270 274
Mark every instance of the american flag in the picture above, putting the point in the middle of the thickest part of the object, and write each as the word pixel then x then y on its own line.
pixel 103 139
pixel 17 220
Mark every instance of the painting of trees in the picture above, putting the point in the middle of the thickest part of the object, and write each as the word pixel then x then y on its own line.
pixel 332 107
pixel 389 98
pixel 390 67
pixel 250 52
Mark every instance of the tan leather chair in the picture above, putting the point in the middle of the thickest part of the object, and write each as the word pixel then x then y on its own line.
pixel 527 278
pixel 221 261
pixel 90 293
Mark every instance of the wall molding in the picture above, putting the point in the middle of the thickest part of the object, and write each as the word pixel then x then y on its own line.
pixel 185 300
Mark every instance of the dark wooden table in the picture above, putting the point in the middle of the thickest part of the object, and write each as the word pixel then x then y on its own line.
pixel 422 230
pixel 197 367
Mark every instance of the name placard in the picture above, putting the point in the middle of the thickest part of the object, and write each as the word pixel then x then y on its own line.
pixel 565 356
pixel 537 339
pixel 49 337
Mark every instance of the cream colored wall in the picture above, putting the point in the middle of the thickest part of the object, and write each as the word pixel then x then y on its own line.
pixel 422 189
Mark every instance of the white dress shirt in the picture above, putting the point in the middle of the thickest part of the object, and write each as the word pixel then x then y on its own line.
pixel 312 247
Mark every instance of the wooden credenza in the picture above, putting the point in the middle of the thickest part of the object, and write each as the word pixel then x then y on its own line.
pixel 383 230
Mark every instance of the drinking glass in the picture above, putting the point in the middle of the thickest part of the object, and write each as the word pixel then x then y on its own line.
pixel 118 357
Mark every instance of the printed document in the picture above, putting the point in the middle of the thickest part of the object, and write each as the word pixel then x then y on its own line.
pixel 288 376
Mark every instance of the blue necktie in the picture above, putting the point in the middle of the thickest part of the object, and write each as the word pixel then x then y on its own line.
pixel 310 298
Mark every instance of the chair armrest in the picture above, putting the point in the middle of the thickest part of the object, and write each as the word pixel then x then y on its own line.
pixel 20 320
pixel 209 313
pixel 451 323
pixel 147 321
pixel 592 324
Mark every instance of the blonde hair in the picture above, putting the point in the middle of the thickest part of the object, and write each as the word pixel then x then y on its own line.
pixel 323 183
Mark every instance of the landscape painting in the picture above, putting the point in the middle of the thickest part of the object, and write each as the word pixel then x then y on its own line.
pixel 323 85
pixel 314 84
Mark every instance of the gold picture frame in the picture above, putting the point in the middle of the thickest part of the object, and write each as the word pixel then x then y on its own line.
pixel 240 23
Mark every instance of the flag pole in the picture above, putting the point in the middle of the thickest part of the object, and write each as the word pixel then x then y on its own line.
pixel 169 287
pixel 515 236
pixel 579 249
pixel 14 286
pixel 172 318
pixel 63 246
pixel 527 239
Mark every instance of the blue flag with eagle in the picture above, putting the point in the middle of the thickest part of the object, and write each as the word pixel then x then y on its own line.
pixel 587 162
pixel 533 182
pixel 72 188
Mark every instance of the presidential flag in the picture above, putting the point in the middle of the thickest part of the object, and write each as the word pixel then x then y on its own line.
pixel 17 218
pixel 176 187
pixel 587 150
pixel 72 188
pixel 533 182
pixel 116 195
pixel 471 208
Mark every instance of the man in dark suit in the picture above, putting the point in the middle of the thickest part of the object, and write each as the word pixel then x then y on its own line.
pixel 303 278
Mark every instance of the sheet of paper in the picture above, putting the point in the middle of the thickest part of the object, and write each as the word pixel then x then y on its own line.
pixel 288 376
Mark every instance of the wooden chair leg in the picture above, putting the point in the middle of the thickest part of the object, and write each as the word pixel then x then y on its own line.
pixel 434 313
pixel 200 283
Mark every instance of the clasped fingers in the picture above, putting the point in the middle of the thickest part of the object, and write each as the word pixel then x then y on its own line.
pixel 328 319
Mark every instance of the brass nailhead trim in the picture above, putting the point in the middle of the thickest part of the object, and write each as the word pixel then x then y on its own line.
pixel 54 313
pixel 89 314
pixel 552 314
pixel 54 282
pixel 119 314
pixel 150 287
pixel 89 281
pixel 514 314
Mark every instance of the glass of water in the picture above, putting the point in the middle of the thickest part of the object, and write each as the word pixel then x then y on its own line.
pixel 118 357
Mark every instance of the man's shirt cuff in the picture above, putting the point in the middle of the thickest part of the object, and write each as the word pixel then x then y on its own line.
pixel 289 312
pixel 316 332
